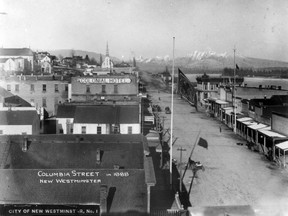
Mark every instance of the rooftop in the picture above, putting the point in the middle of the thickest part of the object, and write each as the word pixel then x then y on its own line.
pixel 26 117
pixel 100 113
pixel 16 52
pixel 64 158
pixel 36 78
pixel 75 151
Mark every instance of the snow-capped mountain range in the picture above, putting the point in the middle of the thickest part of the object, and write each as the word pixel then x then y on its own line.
pixel 212 60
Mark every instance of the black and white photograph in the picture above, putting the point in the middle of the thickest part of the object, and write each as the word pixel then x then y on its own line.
pixel 143 107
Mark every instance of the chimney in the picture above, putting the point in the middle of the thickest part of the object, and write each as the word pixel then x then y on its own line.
pixel 25 144
pixel 103 198
pixel 98 156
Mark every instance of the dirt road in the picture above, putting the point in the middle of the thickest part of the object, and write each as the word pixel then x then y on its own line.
pixel 234 175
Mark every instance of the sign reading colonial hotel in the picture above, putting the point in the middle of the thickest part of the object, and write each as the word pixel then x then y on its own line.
pixel 104 80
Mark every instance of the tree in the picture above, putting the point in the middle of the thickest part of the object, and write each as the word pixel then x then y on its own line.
pixel 101 60
pixel 72 53
pixel 93 61
pixel 134 62
pixel 87 59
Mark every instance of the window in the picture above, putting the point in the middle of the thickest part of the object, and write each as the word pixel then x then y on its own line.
pixel 8 87
pixel 44 104
pixel 116 129
pixel 61 131
pixel 17 87
pixel 83 130
pixel 129 130
pixel 44 87
pixel 87 89
pixel 103 88
pixel 99 130
pixel 115 88
pixel 32 87
pixel 56 88
pixel 71 130
pixel 66 87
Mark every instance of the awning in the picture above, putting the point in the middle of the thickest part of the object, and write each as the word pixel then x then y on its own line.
pixel 271 133
pixel 221 102
pixel 212 99
pixel 227 108
pixel 244 119
pixel 257 126
pixel 249 123
pixel 229 112
pixel 283 145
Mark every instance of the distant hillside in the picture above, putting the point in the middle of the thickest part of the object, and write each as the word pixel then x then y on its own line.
pixel 68 53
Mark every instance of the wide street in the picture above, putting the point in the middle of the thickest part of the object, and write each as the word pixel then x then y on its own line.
pixel 233 175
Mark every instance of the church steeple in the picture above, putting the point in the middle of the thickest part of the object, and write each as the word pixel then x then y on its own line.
pixel 107 49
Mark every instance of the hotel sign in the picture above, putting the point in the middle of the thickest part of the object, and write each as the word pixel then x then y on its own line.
pixel 104 80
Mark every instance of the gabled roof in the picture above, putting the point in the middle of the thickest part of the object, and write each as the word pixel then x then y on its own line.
pixel 66 111
pixel 4 93
pixel 16 52
pixel 3 60
pixel 15 100
pixel 26 117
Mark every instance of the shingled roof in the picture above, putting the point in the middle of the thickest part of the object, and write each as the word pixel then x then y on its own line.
pixel 17 117
pixel 48 156
pixel 100 114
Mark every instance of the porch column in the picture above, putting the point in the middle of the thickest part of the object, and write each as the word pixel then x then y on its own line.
pixel 148 199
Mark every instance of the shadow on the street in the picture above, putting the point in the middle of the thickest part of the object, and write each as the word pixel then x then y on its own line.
pixel 163 193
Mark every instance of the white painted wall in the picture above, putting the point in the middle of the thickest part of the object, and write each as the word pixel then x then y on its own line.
pixel 90 128
pixel 61 123
pixel 16 129
pixel 135 128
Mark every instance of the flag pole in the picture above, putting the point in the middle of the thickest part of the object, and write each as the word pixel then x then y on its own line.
pixel 234 93
pixel 172 114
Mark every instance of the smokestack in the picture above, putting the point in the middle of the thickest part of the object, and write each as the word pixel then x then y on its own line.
pixel 25 144
pixel 103 198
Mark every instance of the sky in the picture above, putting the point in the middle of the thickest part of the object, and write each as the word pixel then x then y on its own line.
pixel 257 28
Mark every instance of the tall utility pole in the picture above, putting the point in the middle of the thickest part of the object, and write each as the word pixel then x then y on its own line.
pixel 234 93
pixel 172 113
pixel 180 178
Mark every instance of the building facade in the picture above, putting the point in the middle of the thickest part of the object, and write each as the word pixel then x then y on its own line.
pixel 98 119
pixel 39 91
pixel 106 87
pixel 13 59
pixel 17 121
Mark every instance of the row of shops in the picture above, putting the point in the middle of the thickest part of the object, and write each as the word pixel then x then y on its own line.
pixel 260 137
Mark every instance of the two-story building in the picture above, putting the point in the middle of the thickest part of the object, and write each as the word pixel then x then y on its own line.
pixel 98 119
